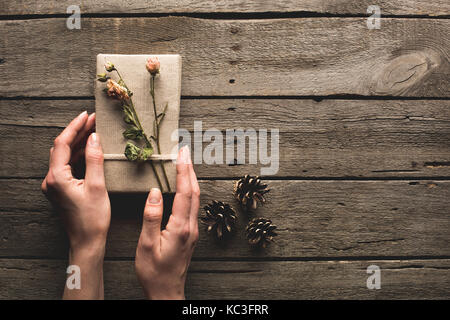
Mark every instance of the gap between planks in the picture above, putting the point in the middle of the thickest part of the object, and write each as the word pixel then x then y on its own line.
pixel 227 15
pixel 234 7
pixel 296 178
pixel 257 259
pixel 316 98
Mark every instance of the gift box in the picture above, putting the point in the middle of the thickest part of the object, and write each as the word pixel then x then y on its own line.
pixel 121 174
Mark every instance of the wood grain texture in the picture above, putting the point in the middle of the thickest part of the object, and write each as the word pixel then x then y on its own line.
pixel 329 230
pixel 314 56
pixel 289 115
pixel 331 138
pixel 314 219
pixel 401 7
pixel 415 279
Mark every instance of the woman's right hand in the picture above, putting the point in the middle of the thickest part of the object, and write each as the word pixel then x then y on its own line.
pixel 163 257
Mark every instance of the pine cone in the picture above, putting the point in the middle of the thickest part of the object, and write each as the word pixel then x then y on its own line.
pixel 260 231
pixel 249 191
pixel 220 218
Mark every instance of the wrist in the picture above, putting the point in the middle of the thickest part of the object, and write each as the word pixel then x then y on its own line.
pixel 91 251
pixel 89 261
pixel 86 245
pixel 165 295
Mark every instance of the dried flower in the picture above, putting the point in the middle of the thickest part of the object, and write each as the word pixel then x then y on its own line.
pixel 134 153
pixel 133 133
pixel 117 91
pixel 109 66
pixel 153 66
pixel 102 77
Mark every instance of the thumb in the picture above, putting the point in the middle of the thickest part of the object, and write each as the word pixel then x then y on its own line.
pixel 95 176
pixel 153 212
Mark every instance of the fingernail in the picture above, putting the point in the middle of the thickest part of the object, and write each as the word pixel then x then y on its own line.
pixel 82 114
pixel 94 141
pixel 185 155
pixel 155 196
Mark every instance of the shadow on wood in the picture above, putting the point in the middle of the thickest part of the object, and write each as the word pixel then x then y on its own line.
pixel 130 206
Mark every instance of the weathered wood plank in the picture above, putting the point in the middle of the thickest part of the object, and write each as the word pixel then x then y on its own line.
pixel 401 7
pixel 331 138
pixel 288 115
pixel 414 279
pixel 406 57
pixel 341 153
pixel 314 218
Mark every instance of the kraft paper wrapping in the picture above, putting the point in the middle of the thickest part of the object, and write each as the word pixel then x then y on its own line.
pixel 124 175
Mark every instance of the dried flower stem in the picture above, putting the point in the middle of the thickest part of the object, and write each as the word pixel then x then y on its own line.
pixel 130 104
pixel 147 142
pixel 156 126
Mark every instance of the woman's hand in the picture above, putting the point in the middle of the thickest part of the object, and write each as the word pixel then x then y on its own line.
pixel 163 257
pixel 83 204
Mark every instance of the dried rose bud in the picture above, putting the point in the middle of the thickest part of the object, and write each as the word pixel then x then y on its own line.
pixel 117 91
pixel 102 77
pixel 109 66
pixel 153 66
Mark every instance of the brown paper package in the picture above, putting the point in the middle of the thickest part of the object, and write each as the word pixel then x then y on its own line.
pixel 123 175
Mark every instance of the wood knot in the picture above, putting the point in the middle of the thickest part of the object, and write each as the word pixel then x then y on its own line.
pixel 404 72
pixel 236 47
pixel 234 30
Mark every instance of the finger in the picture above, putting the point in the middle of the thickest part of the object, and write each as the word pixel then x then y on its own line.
pixel 81 139
pixel 151 225
pixel 195 202
pixel 182 203
pixel 44 186
pixel 80 142
pixel 78 155
pixel 44 182
pixel 61 154
pixel 95 177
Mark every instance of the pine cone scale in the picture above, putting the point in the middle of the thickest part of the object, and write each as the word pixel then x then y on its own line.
pixel 260 231
pixel 249 191
pixel 220 218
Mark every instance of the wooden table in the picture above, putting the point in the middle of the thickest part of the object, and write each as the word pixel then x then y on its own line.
pixel 364 119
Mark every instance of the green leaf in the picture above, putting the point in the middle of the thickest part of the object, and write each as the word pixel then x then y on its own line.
pixel 145 153
pixel 102 77
pixel 128 115
pixel 128 118
pixel 133 133
pixel 132 152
